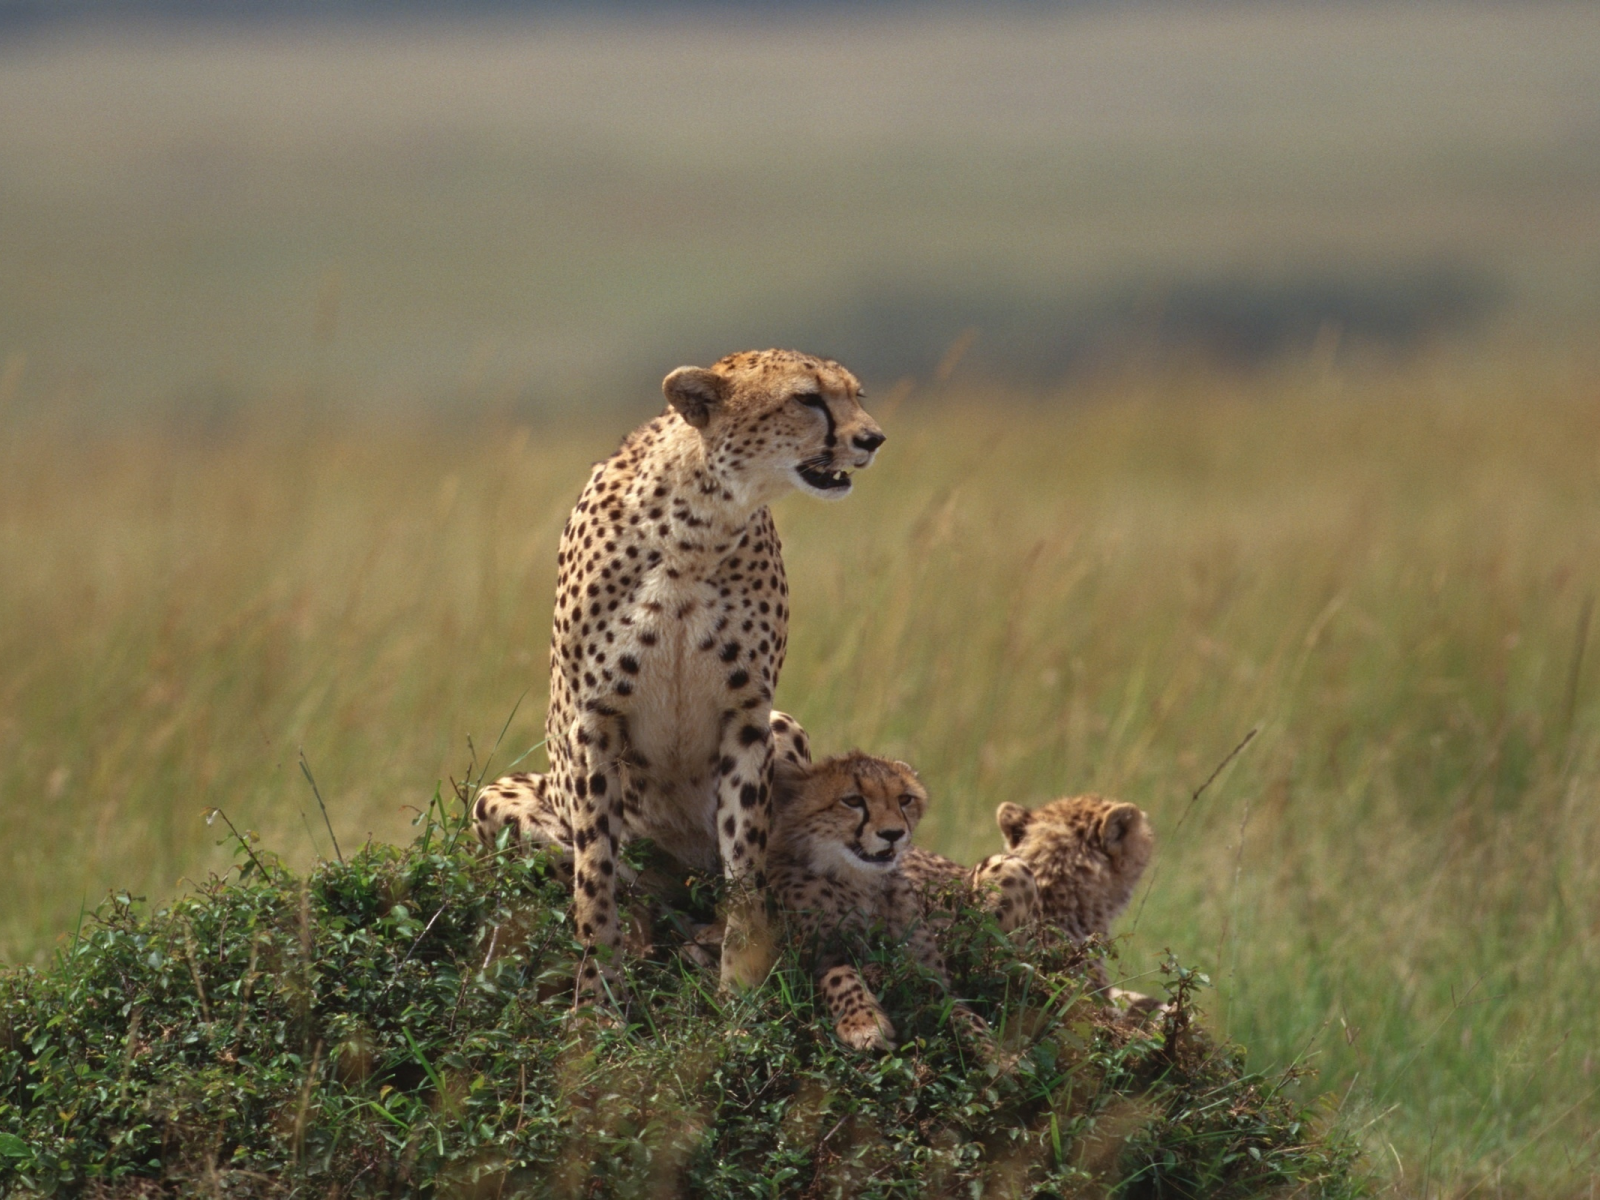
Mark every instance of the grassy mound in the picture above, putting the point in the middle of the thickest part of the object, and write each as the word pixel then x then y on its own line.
pixel 398 1023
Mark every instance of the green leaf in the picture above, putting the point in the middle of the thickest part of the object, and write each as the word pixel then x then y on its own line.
pixel 11 1146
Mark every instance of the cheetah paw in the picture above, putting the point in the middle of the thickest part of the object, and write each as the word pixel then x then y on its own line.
pixel 866 1031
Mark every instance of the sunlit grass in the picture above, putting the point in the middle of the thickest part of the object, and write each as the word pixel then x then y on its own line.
pixel 1387 572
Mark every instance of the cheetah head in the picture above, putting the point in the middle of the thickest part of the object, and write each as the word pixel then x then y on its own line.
pixel 1080 845
pixel 773 420
pixel 855 811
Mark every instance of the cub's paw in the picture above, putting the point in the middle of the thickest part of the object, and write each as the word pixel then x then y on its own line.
pixel 592 1015
pixel 600 993
pixel 865 1030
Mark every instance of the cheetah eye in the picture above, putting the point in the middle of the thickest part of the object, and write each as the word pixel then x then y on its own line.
pixel 907 798
pixel 811 399
pixel 853 801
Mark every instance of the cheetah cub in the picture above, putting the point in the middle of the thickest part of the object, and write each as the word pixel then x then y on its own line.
pixel 1081 857
pixel 841 832
pixel 1086 853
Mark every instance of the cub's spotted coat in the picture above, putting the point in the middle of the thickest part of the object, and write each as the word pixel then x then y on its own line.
pixel 1072 863
pixel 671 619
pixel 842 827
pixel 1086 854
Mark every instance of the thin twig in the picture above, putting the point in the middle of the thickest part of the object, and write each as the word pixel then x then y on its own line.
pixel 305 769
pixel 1531 1141
pixel 299 1142
pixel 482 775
pixel 413 949
pixel 212 813
pixel 518 760
pixel 1211 778
pixel 191 954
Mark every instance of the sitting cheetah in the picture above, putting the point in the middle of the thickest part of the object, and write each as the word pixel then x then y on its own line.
pixel 841 829
pixel 671 618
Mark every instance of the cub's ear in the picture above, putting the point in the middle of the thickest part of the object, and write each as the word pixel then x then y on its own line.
pixel 1013 820
pixel 695 392
pixel 1116 825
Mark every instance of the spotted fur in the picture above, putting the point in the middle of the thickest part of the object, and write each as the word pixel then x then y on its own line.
pixel 1086 853
pixel 525 802
pixel 671 620
pixel 1001 883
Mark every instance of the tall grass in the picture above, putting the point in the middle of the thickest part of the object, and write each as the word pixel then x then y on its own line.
pixel 1389 572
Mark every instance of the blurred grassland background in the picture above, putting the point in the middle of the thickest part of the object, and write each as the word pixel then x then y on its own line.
pixel 1239 371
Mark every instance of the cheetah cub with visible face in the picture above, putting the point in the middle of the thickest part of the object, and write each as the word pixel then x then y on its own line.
pixel 841 832
pixel 1073 863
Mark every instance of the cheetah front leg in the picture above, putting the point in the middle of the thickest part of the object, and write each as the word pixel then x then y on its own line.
pixel 744 814
pixel 594 788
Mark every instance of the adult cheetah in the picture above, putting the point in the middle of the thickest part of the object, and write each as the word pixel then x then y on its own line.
pixel 671 619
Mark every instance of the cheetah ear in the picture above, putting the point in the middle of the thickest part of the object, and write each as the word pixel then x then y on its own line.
pixel 1013 820
pixel 1116 825
pixel 695 392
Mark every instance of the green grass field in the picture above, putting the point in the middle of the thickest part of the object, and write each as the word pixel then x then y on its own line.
pixel 1387 570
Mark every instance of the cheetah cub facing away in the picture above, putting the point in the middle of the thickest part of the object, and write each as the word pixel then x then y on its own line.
pixel 671 619
pixel 841 833
pixel 1082 857
pixel 1086 853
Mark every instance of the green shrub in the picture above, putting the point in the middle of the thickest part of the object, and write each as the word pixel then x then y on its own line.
pixel 399 1022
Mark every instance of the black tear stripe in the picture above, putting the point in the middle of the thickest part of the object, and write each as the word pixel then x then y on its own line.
pixel 817 402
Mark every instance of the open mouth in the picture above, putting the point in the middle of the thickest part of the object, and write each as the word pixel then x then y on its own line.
pixel 822 479
pixel 881 859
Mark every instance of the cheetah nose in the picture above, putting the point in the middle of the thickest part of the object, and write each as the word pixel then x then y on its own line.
pixel 869 441
pixel 891 835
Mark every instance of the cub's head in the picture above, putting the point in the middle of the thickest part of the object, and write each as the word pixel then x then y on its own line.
pixel 1087 854
pixel 777 419
pixel 855 811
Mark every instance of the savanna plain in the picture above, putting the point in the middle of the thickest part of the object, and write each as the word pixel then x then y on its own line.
pixel 1387 570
